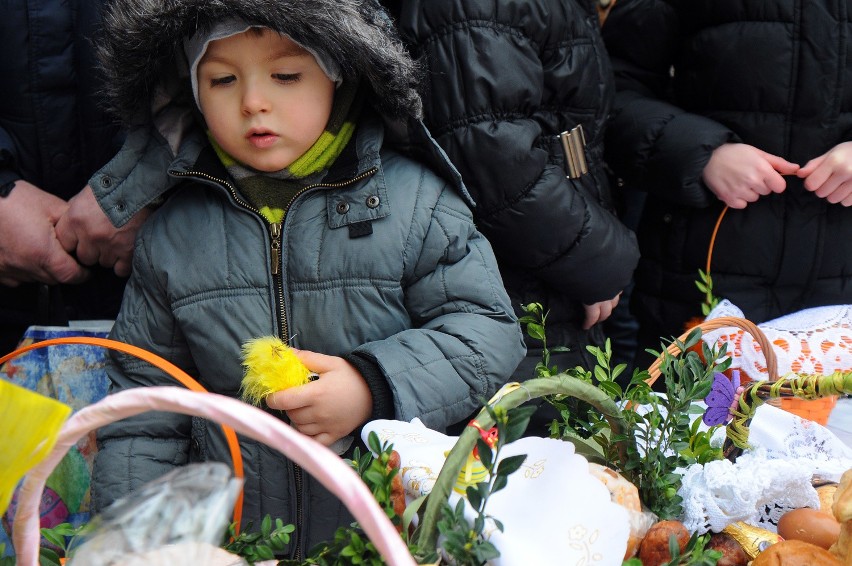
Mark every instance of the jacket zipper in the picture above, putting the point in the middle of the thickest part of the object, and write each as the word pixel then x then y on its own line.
pixel 276 232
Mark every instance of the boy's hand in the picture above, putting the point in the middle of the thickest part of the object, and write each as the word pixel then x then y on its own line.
pixel 829 176
pixel 330 407
pixel 29 249
pixel 739 174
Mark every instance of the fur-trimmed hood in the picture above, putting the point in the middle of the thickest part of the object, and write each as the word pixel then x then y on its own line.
pixel 142 57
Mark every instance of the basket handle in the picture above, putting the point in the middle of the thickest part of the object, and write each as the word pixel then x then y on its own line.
pixel 166 366
pixel 715 324
pixel 332 471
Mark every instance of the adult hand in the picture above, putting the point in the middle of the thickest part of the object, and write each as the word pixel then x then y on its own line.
pixel 86 230
pixel 330 407
pixel 599 312
pixel 29 249
pixel 829 176
pixel 739 174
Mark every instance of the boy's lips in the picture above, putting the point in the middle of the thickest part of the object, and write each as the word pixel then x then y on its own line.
pixel 261 138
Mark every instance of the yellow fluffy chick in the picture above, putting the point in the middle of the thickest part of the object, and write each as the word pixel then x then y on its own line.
pixel 270 366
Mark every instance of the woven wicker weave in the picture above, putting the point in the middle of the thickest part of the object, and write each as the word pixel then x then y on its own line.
pixel 817 410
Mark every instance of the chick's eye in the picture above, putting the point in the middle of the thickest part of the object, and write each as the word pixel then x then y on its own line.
pixel 222 80
pixel 287 77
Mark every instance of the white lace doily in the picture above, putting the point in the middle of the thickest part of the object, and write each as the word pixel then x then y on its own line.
pixel 768 479
pixel 814 341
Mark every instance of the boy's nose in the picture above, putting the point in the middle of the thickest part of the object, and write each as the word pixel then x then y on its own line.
pixel 255 100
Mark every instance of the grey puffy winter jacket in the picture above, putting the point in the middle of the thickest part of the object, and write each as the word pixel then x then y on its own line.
pixel 418 294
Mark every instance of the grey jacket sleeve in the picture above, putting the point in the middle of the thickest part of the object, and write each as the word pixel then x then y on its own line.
pixel 465 340
pixel 138 175
pixel 134 451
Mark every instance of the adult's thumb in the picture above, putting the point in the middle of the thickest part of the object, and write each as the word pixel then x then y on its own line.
pixel 65 269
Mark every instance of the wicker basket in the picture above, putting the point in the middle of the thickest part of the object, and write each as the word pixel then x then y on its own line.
pixel 337 476
pixel 817 410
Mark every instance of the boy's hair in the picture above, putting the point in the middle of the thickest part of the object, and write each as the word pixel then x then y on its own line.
pixel 140 48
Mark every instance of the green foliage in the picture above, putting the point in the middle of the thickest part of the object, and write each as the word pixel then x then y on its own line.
pixel 534 323
pixel 262 545
pixel 58 537
pixel 662 429
pixel 705 285
pixel 350 545
pixel 466 544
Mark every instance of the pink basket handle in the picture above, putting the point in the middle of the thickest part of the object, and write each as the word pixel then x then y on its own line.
pixel 332 472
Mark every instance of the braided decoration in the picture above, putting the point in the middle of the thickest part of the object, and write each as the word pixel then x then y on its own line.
pixel 756 393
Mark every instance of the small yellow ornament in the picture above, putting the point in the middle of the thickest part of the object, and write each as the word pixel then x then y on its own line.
pixel 472 473
pixel 270 366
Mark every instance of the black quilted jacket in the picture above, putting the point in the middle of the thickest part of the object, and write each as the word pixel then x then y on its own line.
pixel 695 74
pixel 503 79
pixel 53 134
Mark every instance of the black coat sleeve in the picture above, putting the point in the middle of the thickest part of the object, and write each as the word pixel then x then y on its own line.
pixel 651 142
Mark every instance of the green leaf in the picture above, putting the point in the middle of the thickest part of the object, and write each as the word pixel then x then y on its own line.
pixel 374 443
pixel 611 388
pixel 485 455
pixel 474 497
pixel 519 419
pixel 535 331
pixel 510 464
pixel 499 483
pixel 53 537
pixel 486 551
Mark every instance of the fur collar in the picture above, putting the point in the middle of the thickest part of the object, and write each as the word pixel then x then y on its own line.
pixel 141 56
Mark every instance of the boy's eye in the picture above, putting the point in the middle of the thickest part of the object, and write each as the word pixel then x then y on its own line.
pixel 222 80
pixel 287 77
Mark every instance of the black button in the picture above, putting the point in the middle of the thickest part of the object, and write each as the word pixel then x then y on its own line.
pixel 106 182
pixel 342 207
pixel 373 201
pixel 667 218
pixel 120 207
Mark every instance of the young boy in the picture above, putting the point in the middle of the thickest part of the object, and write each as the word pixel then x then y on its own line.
pixel 300 221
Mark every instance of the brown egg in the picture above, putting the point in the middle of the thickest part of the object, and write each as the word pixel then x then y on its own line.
pixel 654 548
pixel 733 554
pixel 809 525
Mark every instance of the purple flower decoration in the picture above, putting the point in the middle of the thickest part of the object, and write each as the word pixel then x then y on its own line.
pixel 722 399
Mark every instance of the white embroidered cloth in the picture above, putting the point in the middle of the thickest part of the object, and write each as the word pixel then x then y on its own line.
pixel 770 478
pixel 553 510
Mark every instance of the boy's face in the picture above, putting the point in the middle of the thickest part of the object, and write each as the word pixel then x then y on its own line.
pixel 264 98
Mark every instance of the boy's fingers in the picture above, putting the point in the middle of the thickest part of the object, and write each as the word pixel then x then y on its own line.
pixel 316 362
pixel 288 399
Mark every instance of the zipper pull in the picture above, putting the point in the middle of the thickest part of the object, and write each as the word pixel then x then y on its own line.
pixel 275 233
